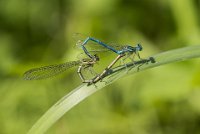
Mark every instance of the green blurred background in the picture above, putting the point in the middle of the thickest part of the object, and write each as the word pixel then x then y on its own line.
pixel 163 100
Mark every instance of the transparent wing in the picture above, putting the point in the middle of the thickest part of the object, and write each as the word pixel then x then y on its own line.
pixel 48 71
pixel 81 56
pixel 79 39
pixel 92 46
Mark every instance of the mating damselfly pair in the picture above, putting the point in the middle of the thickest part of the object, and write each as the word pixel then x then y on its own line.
pixel 122 51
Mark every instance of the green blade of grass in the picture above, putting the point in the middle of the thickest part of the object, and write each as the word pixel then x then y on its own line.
pixel 83 91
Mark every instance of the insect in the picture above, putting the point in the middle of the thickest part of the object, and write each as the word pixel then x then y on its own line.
pixel 108 69
pixel 123 50
pixel 51 70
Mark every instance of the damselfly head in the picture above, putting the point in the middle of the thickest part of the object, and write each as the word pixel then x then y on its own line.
pixel 139 47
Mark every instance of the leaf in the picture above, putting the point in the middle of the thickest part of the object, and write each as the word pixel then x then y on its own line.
pixel 83 91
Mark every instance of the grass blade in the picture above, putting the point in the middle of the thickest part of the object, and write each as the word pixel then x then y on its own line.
pixel 83 91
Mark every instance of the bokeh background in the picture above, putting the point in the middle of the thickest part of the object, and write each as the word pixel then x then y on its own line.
pixel 162 100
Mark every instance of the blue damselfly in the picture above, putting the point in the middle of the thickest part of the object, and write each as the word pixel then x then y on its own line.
pixel 98 46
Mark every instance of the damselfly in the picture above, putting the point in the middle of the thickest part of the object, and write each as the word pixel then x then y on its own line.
pixel 123 50
pixel 51 70
pixel 108 69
